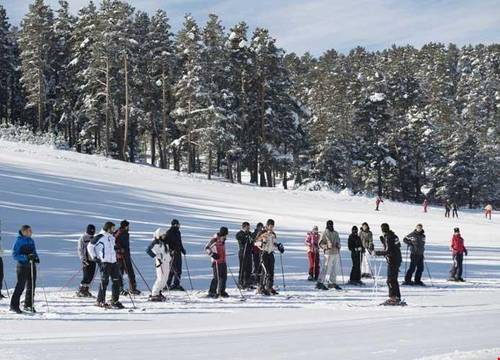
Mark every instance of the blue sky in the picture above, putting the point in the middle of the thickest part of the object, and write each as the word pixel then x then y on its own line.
pixel 318 25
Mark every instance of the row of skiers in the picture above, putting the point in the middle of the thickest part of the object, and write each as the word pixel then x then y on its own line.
pixel 110 252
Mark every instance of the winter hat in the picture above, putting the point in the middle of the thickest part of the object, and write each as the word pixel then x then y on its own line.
pixel 354 228
pixel 124 224
pixel 107 226
pixel 175 222
pixel 223 231
pixel 91 229
pixel 456 230
pixel 270 222
pixel 315 228
pixel 385 227
pixel 159 233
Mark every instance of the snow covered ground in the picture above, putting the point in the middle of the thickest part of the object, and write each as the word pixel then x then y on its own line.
pixel 59 192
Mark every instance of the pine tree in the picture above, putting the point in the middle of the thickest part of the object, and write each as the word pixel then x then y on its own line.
pixel 37 51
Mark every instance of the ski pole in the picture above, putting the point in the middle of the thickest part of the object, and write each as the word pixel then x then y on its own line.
pixel 32 287
pixel 70 280
pixel 140 274
pixel 178 278
pixel 126 270
pixel 428 272
pixel 235 282
pixel 6 287
pixel 43 290
pixel 282 271
pixel 189 274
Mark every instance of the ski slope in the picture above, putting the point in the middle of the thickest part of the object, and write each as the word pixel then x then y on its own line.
pixel 59 192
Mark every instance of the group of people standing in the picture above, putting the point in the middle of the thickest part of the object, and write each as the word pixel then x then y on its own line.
pixel 109 251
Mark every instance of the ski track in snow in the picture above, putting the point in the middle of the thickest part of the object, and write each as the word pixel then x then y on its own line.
pixel 59 192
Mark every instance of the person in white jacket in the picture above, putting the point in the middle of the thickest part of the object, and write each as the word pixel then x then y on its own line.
pixel 88 266
pixel 102 250
pixel 159 251
pixel 330 244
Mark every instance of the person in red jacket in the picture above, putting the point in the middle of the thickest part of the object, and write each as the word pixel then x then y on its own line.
pixel 312 245
pixel 458 250
pixel 378 202
pixel 425 204
pixel 216 249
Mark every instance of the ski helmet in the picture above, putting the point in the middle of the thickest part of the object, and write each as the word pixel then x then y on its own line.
pixel 354 228
pixel 159 233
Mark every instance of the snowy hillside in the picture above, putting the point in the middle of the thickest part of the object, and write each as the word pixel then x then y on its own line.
pixel 58 193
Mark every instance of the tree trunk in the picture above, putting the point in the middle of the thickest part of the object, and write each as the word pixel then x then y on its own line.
pixel 125 130
pixel 107 109
pixel 210 164
pixel 238 172
pixel 285 177
pixel 40 100
pixel 163 132
pixel 153 149
pixel 379 179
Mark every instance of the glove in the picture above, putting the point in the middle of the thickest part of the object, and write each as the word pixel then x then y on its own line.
pixel 381 238
pixel 34 258
pixel 183 251
pixel 85 262
pixel 280 247
pixel 158 263
pixel 465 252
pixel 359 249
pixel 215 256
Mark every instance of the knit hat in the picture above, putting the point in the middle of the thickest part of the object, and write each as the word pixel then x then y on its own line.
pixel 175 222
pixel 354 228
pixel 223 231
pixel 90 229
pixel 456 230
pixel 124 224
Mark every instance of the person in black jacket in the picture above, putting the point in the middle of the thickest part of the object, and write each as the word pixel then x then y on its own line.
pixel 124 258
pixel 416 242
pixel 392 252
pixel 356 247
pixel 245 243
pixel 174 242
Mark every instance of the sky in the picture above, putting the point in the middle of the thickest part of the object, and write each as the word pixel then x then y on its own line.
pixel 319 25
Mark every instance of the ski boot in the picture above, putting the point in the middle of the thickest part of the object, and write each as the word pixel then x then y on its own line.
pixel 272 291
pixel 156 298
pixel 224 294
pixel 30 309
pixel 334 286
pixel 103 305
pixel 134 291
pixel 321 286
pixel 16 310
pixel 263 291
pixel 117 305
pixel 310 278
pixel 212 295
pixel 407 283
pixel 2 296
pixel 419 283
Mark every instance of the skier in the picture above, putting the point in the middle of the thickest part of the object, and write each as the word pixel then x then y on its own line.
pixel 312 245
pixel 356 247
pixel 378 201
pixel 158 250
pixel 447 209
pixel 1 269
pixel 330 244
pixel 416 242
pixel 174 241
pixel 24 252
pixel 392 253
pixel 488 209
pixel 88 266
pixel 425 204
pixel 122 238
pixel 454 211
pixel 458 250
pixel 267 242
pixel 245 243
pixel 216 249
pixel 256 255
pixel 102 250
pixel 366 237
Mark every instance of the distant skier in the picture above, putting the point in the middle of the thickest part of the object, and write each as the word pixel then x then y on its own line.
pixel 458 251
pixel 366 237
pixel 356 248
pixel 2 296
pixel 330 244
pixel 267 242
pixel 174 240
pixel 88 266
pixel 488 209
pixel 416 242
pixel 312 245
pixel 425 205
pixel 24 252
pixel 102 250
pixel 158 250
pixel 122 238
pixel 392 253
pixel 447 209
pixel 378 202
pixel 256 253
pixel 216 249
pixel 454 208
pixel 245 244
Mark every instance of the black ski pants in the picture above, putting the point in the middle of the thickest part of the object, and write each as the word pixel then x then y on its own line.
pixel 245 274
pixel 218 283
pixel 356 266
pixel 88 273
pixel 392 280
pixel 107 271
pixel 416 263
pixel 24 281
pixel 267 275
pixel 457 267
pixel 175 269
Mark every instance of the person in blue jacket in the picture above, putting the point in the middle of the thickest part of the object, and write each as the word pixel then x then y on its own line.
pixel 24 252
